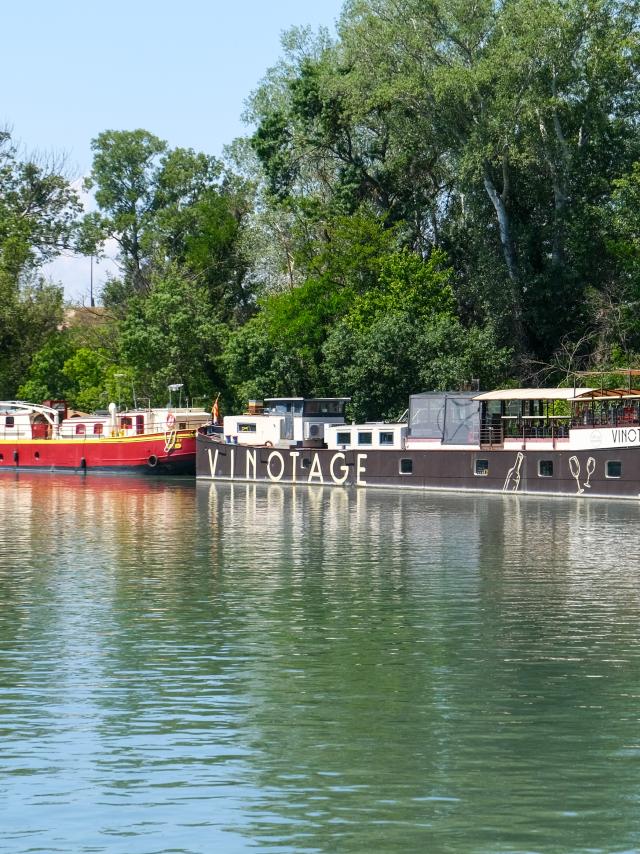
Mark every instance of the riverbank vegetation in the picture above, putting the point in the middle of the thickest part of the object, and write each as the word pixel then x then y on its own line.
pixel 443 192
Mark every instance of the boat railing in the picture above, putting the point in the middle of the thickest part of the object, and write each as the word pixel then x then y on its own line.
pixel 495 432
pixel 9 433
pixel 69 431
pixel 621 417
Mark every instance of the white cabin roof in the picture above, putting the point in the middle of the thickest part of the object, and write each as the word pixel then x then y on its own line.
pixel 534 394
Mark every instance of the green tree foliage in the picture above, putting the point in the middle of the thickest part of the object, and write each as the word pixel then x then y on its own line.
pixel 494 130
pixel 371 320
pixel 380 365
pixel 172 334
pixel 45 378
pixel 163 204
pixel 403 336
pixel 292 325
pixel 29 316
pixel 38 212
pixel 445 191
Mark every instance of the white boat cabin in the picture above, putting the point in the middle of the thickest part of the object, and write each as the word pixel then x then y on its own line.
pixel 52 420
pixel 375 435
pixel 511 419
pixel 285 421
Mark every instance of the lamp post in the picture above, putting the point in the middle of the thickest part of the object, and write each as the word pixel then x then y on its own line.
pixel 175 387
pixel 119 377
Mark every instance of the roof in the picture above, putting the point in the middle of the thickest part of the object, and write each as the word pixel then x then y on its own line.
pixel 305 399
pixel 610 394
pixel 534 394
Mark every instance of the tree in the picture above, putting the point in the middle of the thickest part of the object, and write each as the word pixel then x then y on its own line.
pixel 172 335
pixel 123 177
pixel 161 205
pixel 493 130
pixel 29 316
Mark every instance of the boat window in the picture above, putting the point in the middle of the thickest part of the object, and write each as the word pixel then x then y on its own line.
pixel 247 428
pixel 182 425
pixel 406 466
pixel 365 437
pixel 614 468
pixel 343 438
pixel 545 468
pixel 482 467
pixel 306 462
pixel 1 458
pixel 285 407
pixel 126 423
pixel 324 407
pixel 97 429
pixel 36 455
pixel 80 429
pixel 386 437
pixel 9 421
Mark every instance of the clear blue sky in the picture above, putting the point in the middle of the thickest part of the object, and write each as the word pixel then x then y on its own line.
pixel 181 70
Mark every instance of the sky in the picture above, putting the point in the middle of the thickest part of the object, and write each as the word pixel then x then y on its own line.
pixel 181 70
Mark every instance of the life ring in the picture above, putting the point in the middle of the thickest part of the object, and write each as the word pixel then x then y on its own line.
pixel 268 444
pixel 171 420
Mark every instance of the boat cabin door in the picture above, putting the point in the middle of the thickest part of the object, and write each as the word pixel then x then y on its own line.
pixel 40 428
pixel 287 426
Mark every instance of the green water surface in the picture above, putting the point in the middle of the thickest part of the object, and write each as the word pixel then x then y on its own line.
pixel 235 668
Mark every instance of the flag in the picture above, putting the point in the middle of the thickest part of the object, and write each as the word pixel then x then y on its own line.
pixel 215 411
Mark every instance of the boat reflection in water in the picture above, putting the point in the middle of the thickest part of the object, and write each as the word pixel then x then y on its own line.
pixel 441 662
pixel 246 666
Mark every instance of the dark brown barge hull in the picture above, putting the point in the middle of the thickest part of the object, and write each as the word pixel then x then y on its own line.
pixel 537 472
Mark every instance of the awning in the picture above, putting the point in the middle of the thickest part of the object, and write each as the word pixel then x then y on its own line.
pixel 609 394
pixel 534 394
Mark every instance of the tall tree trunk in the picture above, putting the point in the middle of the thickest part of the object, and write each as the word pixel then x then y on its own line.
pixel 499 201
pixel 504 224
pixel 557 158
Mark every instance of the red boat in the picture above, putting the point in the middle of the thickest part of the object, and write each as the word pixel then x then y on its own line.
pixel 48 437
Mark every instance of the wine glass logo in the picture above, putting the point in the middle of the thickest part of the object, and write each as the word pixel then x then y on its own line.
pixel 591 467
pixel 574 467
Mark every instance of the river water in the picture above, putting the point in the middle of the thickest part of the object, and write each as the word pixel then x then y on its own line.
pixel 252 667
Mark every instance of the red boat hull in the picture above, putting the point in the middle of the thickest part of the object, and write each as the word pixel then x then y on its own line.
pixel 155 454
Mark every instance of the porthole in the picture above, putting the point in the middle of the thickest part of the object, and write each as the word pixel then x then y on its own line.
pixel 545 468
pixel 614 468
pixel 406 466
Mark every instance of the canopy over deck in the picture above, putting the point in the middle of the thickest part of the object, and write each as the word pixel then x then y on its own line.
pixel 534 394
pixel 609 394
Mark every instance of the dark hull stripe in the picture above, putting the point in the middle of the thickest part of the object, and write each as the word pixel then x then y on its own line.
pixel 537 472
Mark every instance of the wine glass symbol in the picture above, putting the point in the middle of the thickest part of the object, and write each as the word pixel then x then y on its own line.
pixel 574 466
pixel 591 467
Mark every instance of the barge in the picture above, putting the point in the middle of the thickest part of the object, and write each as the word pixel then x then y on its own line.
pixel 49 437
pixel 543 441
